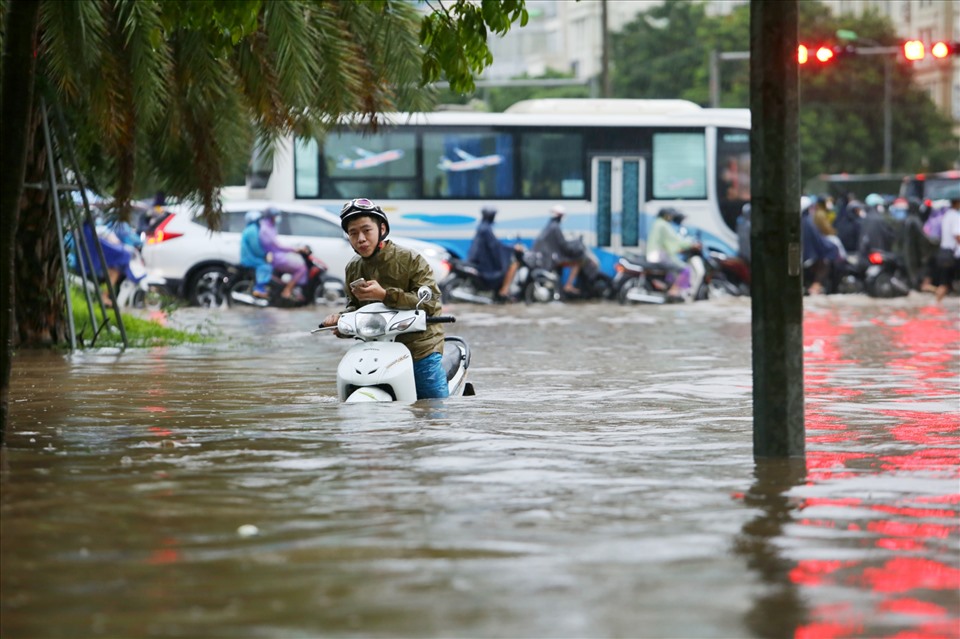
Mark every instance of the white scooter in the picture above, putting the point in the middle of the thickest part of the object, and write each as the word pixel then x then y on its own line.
pixel 379 369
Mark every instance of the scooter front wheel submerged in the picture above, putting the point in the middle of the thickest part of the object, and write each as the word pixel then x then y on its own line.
pixel 368 394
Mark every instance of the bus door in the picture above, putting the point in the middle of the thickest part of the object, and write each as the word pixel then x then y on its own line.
pixel 619 191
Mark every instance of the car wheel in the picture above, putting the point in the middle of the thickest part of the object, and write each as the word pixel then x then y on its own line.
pixel 208 288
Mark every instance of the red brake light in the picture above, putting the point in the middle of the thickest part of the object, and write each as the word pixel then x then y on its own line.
pixel 876 258
pixel 159 234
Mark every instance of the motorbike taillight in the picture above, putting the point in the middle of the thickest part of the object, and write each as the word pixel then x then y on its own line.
pixel 876 258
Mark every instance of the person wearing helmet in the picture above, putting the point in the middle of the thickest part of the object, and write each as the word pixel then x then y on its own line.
pixel 876 233
pixel 283 258
pixel 665 245
pixel 847 224
pixel 948 257
pixel 392 274
pixel 492 258
pixel 252 254
pixel 558 250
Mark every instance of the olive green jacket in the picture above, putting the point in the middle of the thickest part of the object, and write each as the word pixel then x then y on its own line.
pixel 401 272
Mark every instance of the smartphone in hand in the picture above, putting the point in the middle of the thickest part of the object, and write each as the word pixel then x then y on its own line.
pixel 355 283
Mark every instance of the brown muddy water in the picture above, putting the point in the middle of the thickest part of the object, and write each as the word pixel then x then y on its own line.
pixel 601 483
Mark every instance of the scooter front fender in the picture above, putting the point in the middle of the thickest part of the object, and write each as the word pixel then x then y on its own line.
pixel 385 365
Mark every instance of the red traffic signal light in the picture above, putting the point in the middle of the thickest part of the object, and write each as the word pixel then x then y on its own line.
pixel 824 54
pixel 913 50
pixel 943 49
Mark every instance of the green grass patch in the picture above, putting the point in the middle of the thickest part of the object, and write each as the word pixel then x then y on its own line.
pixel 141 332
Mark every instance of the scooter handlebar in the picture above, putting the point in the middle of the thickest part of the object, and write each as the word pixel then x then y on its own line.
pixel 441 319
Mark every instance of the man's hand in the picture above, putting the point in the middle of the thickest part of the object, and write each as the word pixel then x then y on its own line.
pixel 369 291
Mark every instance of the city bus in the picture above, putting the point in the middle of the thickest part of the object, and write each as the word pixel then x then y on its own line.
pixel 612 165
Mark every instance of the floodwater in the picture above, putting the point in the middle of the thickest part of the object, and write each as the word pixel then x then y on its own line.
pixel 601 483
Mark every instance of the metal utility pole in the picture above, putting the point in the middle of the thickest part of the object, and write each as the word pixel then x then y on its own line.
pixel 777 293
pixel 604 50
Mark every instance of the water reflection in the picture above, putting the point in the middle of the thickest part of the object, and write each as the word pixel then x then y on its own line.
pixel 585 492
pixel 759 542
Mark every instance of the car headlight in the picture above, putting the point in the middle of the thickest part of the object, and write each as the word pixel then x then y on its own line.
pixel 371 324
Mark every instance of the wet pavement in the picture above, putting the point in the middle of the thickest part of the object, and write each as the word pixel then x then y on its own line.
pixel 601 483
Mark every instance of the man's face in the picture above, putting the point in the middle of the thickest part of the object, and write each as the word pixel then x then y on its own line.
pixel 363 233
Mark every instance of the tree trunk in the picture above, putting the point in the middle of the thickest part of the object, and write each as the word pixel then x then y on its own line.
pixel 18 73
pixel 39 296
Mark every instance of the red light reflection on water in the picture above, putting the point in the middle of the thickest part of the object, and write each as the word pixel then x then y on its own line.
pixel 912 568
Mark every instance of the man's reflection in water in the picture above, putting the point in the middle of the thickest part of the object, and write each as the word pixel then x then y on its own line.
pixel 778 611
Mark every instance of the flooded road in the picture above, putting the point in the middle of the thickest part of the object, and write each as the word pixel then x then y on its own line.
pixel 601 483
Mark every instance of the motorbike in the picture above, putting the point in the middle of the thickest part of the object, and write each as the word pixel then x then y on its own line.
pixel 735 270
pixel 592 282
pixel 640 280
pixel 379 369
pixel 321 288
pixel 885 275
pixel 533 282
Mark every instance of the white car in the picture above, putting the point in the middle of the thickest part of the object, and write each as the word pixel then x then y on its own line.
pixel 194 260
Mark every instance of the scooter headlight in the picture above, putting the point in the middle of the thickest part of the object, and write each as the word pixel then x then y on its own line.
pixel 371 324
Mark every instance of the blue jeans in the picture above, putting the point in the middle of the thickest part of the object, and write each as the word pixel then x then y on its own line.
pixel 430 377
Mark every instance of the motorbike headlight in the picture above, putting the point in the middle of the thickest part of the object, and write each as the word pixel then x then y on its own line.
pixel 371 324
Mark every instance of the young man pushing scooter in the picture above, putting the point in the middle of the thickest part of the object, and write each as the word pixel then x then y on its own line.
pixel 384 272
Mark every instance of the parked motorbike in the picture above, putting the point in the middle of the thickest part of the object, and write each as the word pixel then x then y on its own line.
pixel 321 288
pixel 533 282
pixel 885 275
pixel 379 369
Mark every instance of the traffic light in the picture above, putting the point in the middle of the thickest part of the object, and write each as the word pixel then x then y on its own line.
pixel 943 49
pixel 913 50
pixel 824 54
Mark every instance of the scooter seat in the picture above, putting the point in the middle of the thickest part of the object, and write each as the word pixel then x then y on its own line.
pixel 455 350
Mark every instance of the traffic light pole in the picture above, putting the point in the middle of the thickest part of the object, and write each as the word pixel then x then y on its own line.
pixel 777 290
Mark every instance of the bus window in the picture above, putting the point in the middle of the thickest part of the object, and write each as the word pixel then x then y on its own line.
pixel 679 166
pixel 733 173
pixel 552 165
pixel 374 166
pixel 306 163
pixel 465 165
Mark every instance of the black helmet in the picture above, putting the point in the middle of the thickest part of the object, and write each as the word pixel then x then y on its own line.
pixel 666 213
pixel 488 213
pixel 360 207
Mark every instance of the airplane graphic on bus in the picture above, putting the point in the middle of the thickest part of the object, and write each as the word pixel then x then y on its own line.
pixel 468 162
pixel 369 159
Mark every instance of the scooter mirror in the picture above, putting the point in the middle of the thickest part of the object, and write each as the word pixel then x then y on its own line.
pixel 423 295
